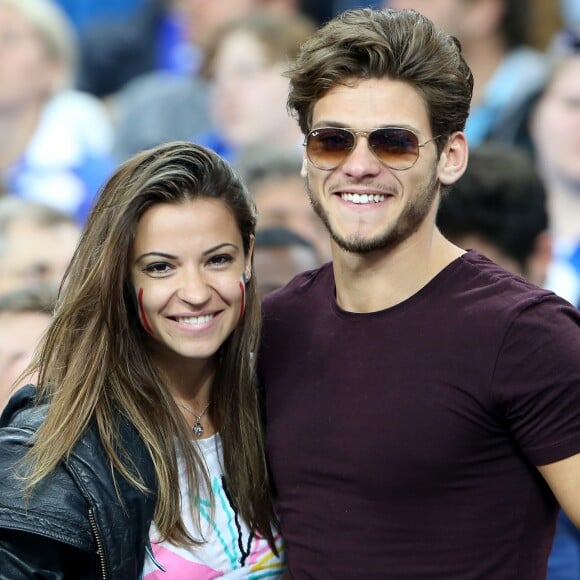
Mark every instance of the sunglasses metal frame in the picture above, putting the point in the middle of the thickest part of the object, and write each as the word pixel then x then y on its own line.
pixel 355 133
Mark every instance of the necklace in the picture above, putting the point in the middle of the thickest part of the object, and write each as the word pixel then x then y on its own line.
pixel 197 426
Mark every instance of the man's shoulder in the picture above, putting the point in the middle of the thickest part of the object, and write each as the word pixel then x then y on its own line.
pixel 480 290
pixel 476 273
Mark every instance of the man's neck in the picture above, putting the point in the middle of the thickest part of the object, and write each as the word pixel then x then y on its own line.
pixel 382 279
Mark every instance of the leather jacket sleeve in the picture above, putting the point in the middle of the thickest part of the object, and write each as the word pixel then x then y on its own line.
pixel 74 525
pixel 47 536
pixel 25 556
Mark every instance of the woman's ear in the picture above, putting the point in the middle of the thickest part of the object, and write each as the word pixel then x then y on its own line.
pixel 247 273
pixel 453 160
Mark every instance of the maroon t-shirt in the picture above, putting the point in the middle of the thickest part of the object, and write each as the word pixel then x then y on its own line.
pixel 403 442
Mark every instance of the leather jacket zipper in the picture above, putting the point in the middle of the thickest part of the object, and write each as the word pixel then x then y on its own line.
pixel 100 549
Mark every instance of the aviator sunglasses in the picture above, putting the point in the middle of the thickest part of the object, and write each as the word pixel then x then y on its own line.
pixel 395 147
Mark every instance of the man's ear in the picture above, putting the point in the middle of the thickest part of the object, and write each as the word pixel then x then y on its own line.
pixel 453 160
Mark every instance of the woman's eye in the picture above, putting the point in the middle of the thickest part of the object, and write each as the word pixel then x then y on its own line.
pixel 157 268
pixel 221 260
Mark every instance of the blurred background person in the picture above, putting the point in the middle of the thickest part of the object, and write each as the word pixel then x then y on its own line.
pixel 555 134
pixel 244 63
pixel 54 141
pixel 82 13
pixel 280 254
pixel 273 177
pixel 36 244
pixel 203 18
pixel 499 208
pixel 570 15
pixel 124 39
pixel 172 102
pixel 496 38
pixel 24 316
pixel 340 5
pixel 116 49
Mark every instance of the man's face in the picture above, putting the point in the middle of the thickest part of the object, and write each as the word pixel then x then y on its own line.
pixel 34 254
pixel 556 127
pixel 391 206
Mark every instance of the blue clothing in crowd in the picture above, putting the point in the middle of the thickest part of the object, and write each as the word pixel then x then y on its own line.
pixel 68 158
pixel 564 561
pixel 215 141
pixel 84 12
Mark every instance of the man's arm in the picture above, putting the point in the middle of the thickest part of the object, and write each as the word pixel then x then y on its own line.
pixel 563 477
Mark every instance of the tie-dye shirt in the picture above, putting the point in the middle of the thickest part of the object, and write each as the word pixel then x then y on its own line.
pixel 231 550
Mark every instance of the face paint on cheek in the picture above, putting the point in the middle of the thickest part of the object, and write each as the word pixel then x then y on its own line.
pixel 142 314
pixel 243 294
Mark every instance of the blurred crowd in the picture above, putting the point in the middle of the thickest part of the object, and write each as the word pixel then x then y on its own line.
pixel 84 85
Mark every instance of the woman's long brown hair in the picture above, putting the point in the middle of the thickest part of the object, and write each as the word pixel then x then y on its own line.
pixel 93 367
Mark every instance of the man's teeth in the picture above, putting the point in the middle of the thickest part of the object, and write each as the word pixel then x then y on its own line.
pixel 196 319
pixel 362 198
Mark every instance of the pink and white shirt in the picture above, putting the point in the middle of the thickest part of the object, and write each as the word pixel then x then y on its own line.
pixel 230 550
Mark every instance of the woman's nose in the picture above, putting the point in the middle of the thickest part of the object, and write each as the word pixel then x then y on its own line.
pixel 193 287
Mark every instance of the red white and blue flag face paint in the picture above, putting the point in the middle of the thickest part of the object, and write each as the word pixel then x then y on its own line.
pixel 142 314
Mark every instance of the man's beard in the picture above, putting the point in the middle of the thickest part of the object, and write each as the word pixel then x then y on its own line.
pixel 407 224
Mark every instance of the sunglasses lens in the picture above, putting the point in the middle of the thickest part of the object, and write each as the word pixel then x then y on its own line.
pixel 396 148
pixel 327 148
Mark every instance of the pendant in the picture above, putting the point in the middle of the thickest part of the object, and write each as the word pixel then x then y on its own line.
pixel 197 428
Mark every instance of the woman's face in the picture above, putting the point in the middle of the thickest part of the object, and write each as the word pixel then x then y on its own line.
pixel 186 267
pixel 27 74
pixel 249 93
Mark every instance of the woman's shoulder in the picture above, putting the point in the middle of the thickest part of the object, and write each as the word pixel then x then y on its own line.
pixel 55 508
pixel 23 400
pixel 81 483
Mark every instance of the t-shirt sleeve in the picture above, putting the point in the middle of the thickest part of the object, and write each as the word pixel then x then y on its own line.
pixel 537 380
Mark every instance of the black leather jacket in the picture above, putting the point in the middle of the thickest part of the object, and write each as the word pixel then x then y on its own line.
pixel 73 525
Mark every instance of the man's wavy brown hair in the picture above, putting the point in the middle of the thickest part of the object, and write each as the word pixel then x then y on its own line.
pixel 397 44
